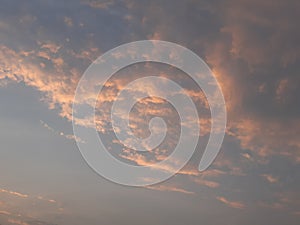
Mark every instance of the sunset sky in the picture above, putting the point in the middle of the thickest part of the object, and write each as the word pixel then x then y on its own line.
pixel 251 46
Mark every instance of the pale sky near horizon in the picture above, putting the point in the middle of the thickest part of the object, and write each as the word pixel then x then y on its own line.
pixel 252 48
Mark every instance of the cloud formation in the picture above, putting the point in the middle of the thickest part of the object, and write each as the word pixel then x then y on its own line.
pixel 251 46
pixel 237 205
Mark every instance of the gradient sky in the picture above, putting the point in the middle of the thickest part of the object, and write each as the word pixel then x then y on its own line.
pixel 252 46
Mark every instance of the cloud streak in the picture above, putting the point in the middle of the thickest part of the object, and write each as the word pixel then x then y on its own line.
pixel 232 204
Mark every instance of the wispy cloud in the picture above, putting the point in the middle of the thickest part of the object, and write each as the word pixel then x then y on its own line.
pixel 20 208
pixel 18 222
pixel 14 193
pixel 5 213
pixel 60 133
pixel 233 204
pixel 270 178
pixel 98 4
pixel 169 188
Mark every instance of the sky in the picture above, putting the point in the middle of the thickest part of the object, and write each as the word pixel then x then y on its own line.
pixel 252 48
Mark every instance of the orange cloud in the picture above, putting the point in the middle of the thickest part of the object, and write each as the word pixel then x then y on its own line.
pixel 68 21
pixel 58 90
pixel 169 188
pixel 211 184
pixel 236 205
pixel 5 213
pixel 265 138
pixel 50 46
pixel 270 178
pixel 19 207
pixel 60 133
pixel 17 194
pixel 141 160
pixel 18 222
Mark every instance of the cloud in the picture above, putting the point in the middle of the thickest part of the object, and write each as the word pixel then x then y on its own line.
pixel 57 89
pixel 20 208
pixel 265 138
pixel 18 222
pixel 247 23
pixel 169 188
pixel 5 213
pixel 68 21
pixel 98 4
pixel 211 184
pixel 260 113
pixel 21 222
pixel 141 160
pixel 270 178
pixel 49 46
pixel 251 46
pixel 232 204
pixel 60 133
pixel 14 193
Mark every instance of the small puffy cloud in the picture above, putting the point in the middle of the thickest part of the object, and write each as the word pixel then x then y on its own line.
pixel 68 21
pixel 270 178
